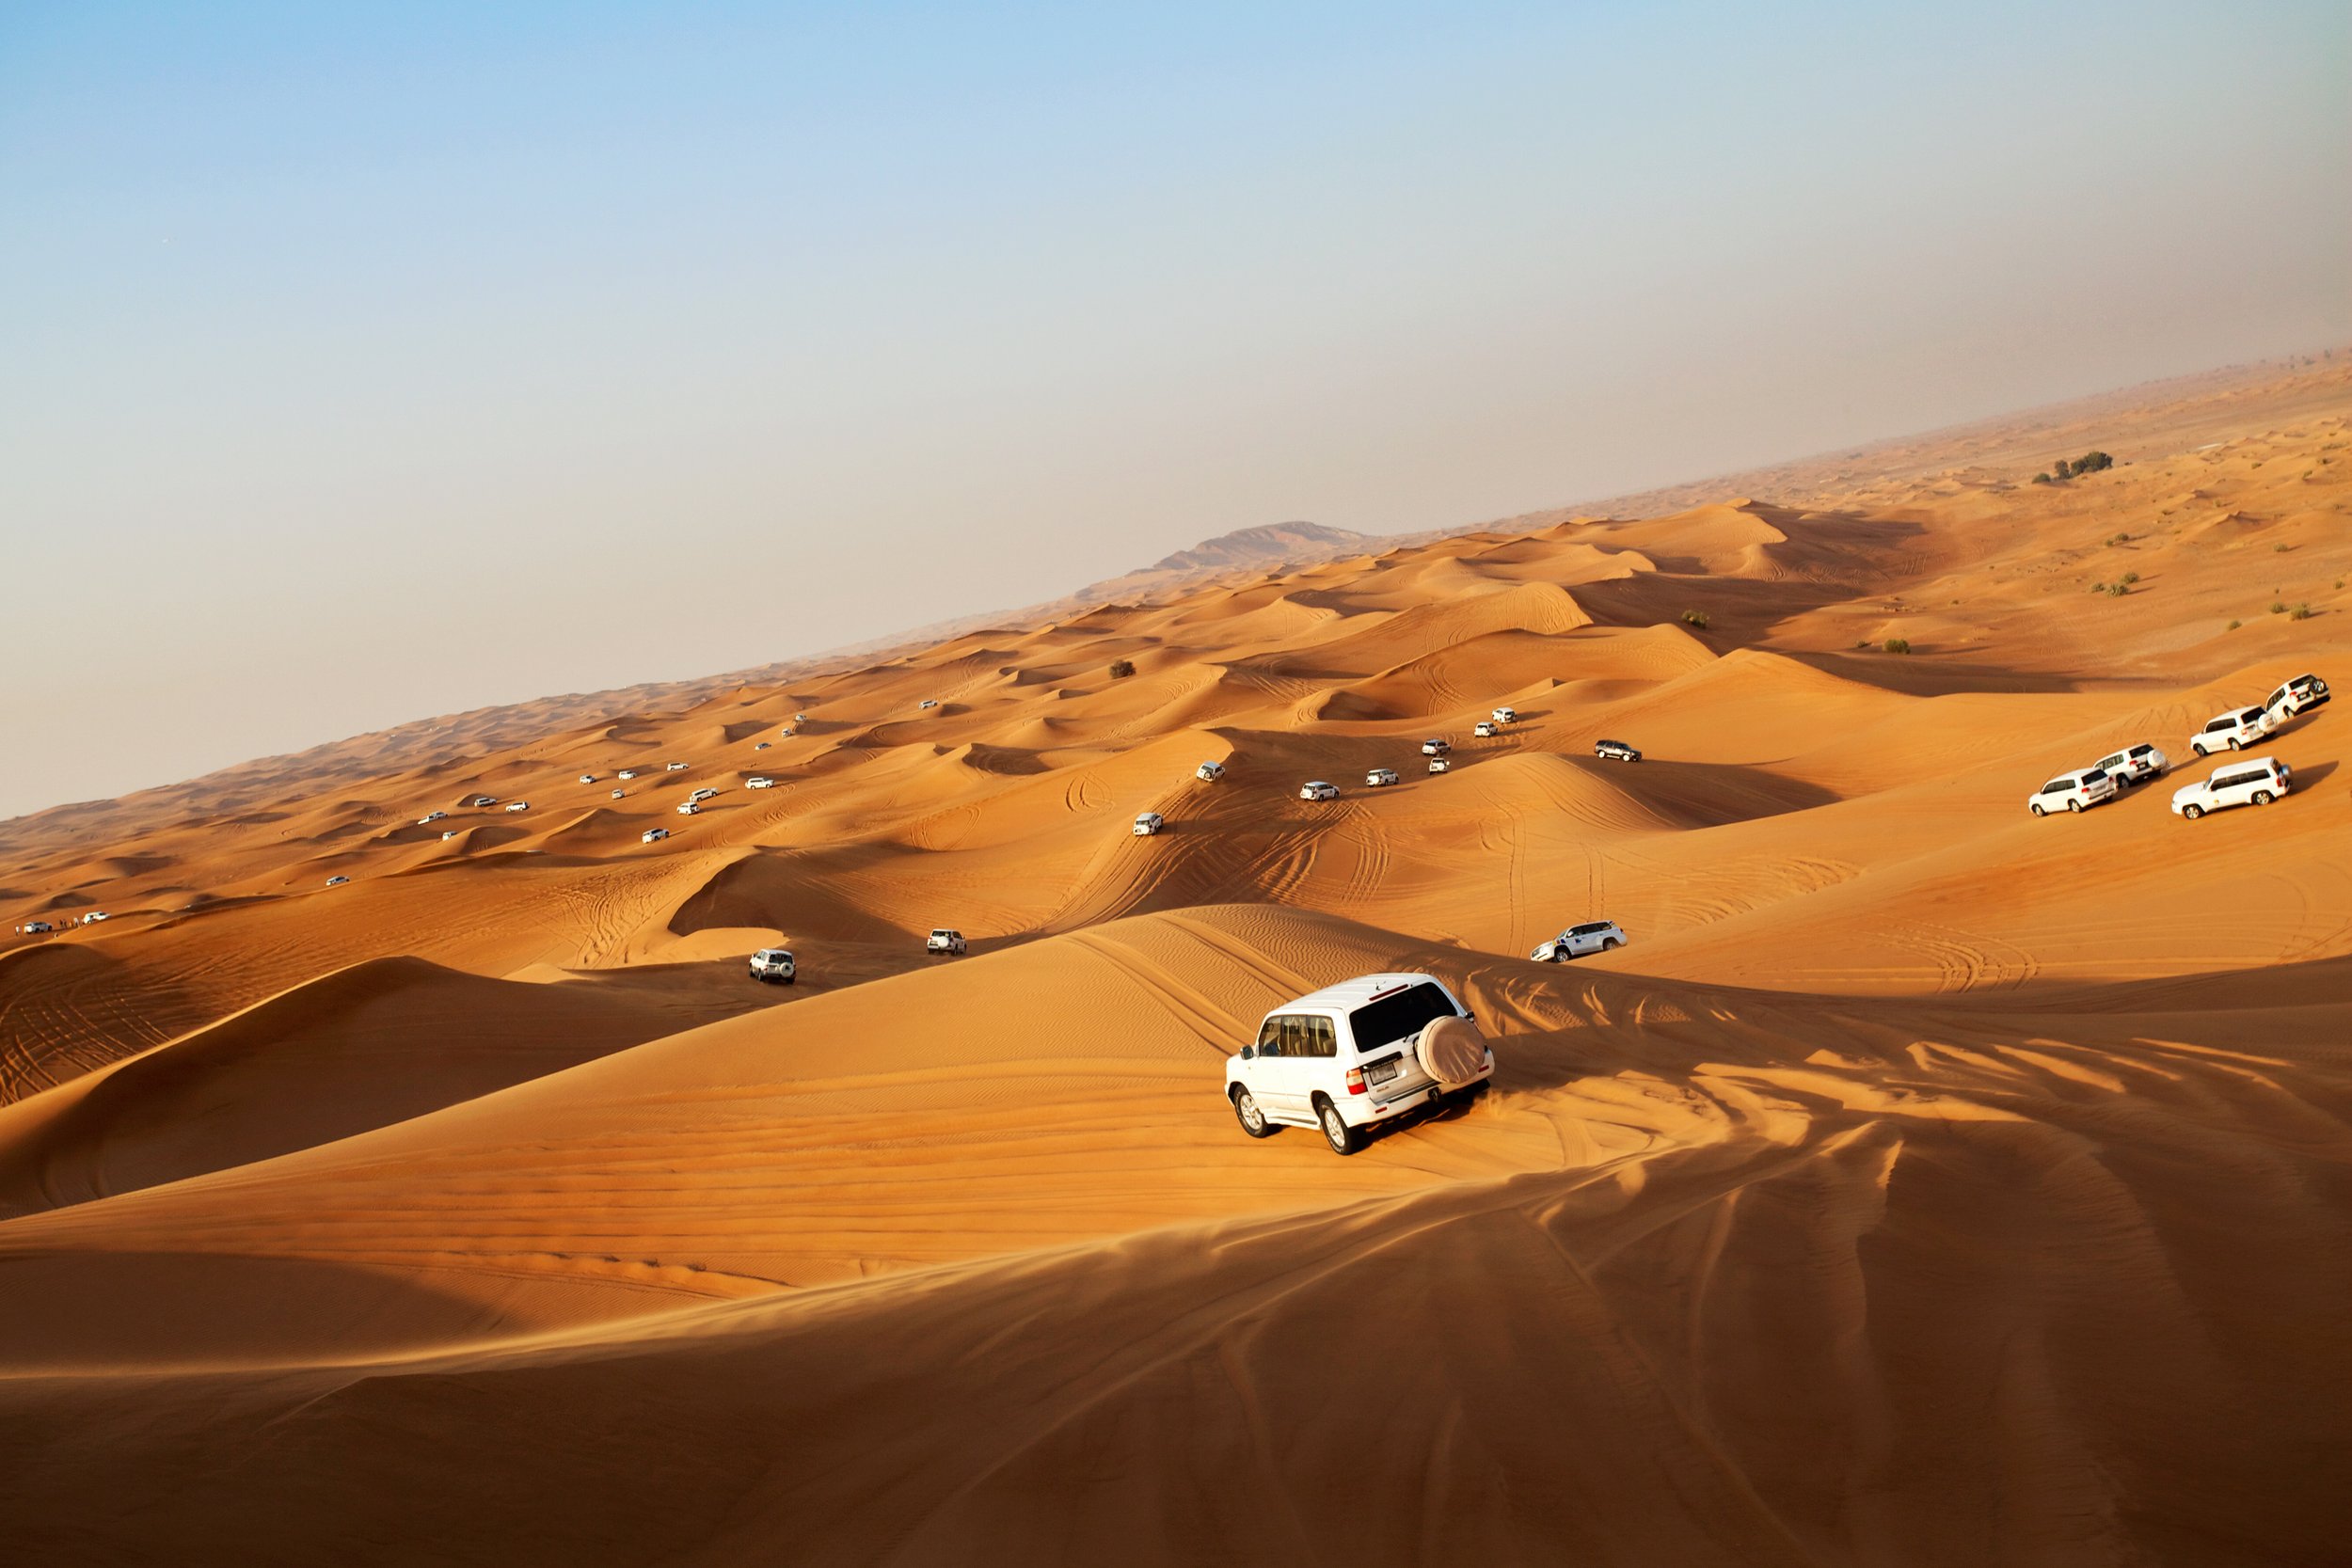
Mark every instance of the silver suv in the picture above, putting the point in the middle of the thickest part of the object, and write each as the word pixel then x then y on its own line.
pixel 775 965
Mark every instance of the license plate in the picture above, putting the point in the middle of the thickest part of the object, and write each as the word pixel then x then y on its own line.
pixel 1380 1073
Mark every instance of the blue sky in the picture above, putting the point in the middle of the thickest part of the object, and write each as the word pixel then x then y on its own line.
pixel 363 363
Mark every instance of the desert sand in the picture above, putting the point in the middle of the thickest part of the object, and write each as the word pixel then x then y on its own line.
pixel 1923 1184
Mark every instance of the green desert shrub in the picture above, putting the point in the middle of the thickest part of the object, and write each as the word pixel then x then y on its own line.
pixel 2277 606
pixel 2131 578
pixel 1122 668
pixel 1898 644
pixel 1694 618
pixel 2233 626
pixel 2300 613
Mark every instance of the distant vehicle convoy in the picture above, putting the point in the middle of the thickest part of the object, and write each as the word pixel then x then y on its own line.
pixel 1317 789
pixel 2077 791
pixel 1348 1057
pixel 1616 750
pixel 943 939
pixel 1149 823
pixel 775 965
pixel 1594 936
pixel 2255 781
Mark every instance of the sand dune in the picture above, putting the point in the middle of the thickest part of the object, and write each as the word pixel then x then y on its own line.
pixel 1923 1183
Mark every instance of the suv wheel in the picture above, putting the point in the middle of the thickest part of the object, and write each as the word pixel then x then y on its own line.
pixel 2075 806
pixel 2192 811
pixel 2199 747
pixel 1250 1114
pixel 2233 743
pixel 2262 796
pixel 1343 1138
pixel 2037 811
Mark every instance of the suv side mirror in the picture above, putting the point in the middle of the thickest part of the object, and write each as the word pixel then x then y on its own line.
pixel 1248 1052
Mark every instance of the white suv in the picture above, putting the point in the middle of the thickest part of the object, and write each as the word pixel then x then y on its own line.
pixel 1208 772
pixel 1353 1055
pixel 1316 789
pixel 1505 716
pixel 1148 823
pixel 2233 731
pixel 2297 696
pixel 1485 727
pixel 2077 791
pixel 653 835
pixel 775 965
pixel 2256 782
pixel 1379 777
pixel 943 941
pixel 1436 746
pixel 2133 765
pixel 763 781
pixel 1594 936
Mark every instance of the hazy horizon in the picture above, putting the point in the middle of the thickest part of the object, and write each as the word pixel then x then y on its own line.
pixel 361 369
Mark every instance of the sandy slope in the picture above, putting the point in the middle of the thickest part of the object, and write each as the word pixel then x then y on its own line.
pixel 1924 1183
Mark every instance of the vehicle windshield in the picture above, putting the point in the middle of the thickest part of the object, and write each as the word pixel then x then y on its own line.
pixel 1391 1018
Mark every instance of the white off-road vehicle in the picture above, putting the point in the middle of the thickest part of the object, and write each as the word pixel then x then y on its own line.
pixel 703 795
pixel 448 834
pixel 1381 777
pixel 2297 696
pixel 2081 790
pixel 761 782
pixel 1316 789
pixel 1485 728
pixel 673 768
pixel 481 801
pixel 625 773
pixel 653 835
pixel 1148 823
pixel 1616 750
pixel 431 817
pixel 773 965
pixel 517 806
pixel 337 882
pixel 2255 781
pixel 620 795
pixel 927 702
pixel 587 778
pixel 1440 765
pixel 1436 746
pixel 93 917
pixel 1505 716
pixel 690 808
pixel 2133 764
pixel 943 941
pixel 1594 936
pixel 2233 731
pixel 1350 1056
pixel 43 927
pixel 1208 772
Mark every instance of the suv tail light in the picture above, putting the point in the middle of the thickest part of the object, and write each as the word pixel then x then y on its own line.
pixel 1355 1079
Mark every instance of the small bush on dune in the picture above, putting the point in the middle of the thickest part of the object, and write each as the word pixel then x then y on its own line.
pixel 2098 588
pixel 2277 606
pixel 2300 613
pixel 2131 577
pixel 1898 644
pixel 2088 462
pixel 2042 478
pixel 1121 669
pixel 1694 618
pixel 2233 626
pixel 2117 590
pixel 2281 550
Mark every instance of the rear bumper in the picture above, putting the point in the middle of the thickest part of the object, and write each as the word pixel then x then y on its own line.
pixel 1363 1111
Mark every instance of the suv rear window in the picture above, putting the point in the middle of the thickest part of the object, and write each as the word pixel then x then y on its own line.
pixel 1389 1019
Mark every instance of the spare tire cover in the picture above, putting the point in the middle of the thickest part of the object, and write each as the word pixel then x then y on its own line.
pixel 1452 1050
